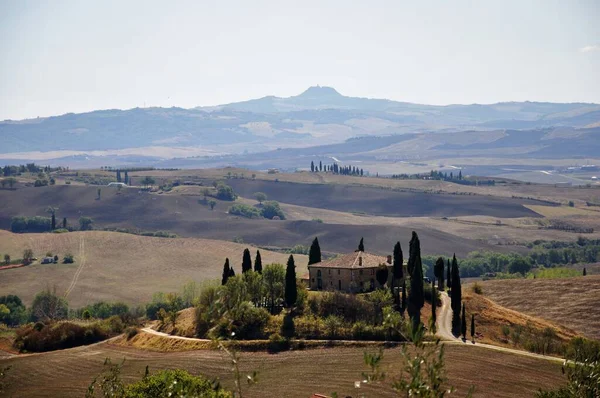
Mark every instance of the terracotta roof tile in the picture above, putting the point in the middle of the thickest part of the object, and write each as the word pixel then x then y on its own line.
pixel 352 260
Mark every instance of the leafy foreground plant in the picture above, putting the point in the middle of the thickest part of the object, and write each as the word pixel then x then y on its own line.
pixel 423 369
pixel 583 375
pixel 165 383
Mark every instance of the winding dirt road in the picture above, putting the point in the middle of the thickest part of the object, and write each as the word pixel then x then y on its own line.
pixel 444 332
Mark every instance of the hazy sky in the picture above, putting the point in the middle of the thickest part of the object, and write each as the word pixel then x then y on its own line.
pixel 74 56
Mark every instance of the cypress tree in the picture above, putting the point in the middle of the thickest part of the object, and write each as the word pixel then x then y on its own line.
pixel 361 245
pixel 463 325
pixel 118 175
pixel 65 222
pixel 433 306
pixel 312 166
pixel 320 166
pixel 456 298
pixel 584 271
pixel 397 274
pixel 416 296
pixel 258 263
pixel 246 261
pixel 403 308
pixel 473 327
pixel 231 272
pixel 291 292
pixel 53 222
pixel 126 178
pixel 226 272
pixel 449 277
pixel 438 271
pixel 314 255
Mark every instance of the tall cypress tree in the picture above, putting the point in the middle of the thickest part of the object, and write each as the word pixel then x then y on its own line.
pixel 320 166
pixel 456 299
pixel 226 272
pixel 126 178
pixel 584 272
pixel 397 274
pixel 312 166
pixel 433 306
pixel 314 255
pixel 416 296
pixel 403 307
pixel 361 245
pixel 118 175
pixel 438 271
pixel 291 292
pixel 246 261
pixel 53 222
pixel 231 272
pixel 449 276
pixel 473 327
pixel 258 263
pixel 463 325
pixel 65 222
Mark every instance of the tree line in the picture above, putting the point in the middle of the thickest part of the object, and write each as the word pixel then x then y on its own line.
pixel 336 169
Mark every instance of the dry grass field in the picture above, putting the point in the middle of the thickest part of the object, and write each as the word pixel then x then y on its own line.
pixel 491 317
pixel 120 267
pixel 570 302
pixel 67 373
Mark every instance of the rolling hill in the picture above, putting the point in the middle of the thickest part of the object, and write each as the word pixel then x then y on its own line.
pixel 571 302
pixel 318 116
pixel 120 267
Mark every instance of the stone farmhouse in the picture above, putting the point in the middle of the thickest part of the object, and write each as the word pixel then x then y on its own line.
pixel 350 273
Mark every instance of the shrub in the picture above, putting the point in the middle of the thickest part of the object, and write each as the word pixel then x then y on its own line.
pixel 176 383
pixel 244 211
pixel 16 310
pixel 57 336
pixel 131 331
pixel 225 192
pixel 271 209
pixel 477 289
pixel 68 259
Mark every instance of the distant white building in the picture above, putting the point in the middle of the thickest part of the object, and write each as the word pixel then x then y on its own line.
pixel 114 184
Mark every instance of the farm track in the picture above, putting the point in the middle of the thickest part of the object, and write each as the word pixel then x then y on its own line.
pixel 82 259
pixel 444 331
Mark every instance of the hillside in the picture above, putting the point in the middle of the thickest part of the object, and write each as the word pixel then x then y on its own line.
pixel 319 116
pixel 183 215
pixel 570 302
pixel 290 374
pixel 120 267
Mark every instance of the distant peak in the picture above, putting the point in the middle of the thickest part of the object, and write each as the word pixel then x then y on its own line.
pixel 320 91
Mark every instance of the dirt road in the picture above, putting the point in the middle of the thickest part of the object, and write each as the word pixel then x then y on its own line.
pixel 444 332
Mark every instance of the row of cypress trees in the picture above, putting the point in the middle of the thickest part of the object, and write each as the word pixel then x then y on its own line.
pixel 290 292
pixel 228 270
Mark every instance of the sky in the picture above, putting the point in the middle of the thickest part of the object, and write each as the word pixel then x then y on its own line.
pixel 76 56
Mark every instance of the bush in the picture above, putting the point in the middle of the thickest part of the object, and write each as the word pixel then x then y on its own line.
pixel 225 192
pixel 131 332
pixel 57 336
pixel 30 224
pixel 244 211
pixel 17 314
pixel 271 209
pixel 68 259
pixel 176 383
pixel 477 289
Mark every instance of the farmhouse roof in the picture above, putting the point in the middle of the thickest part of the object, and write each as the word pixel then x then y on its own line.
pixel 353 260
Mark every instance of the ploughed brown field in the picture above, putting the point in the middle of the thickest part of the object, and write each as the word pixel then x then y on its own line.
pixel 67 373
pixel 183 215
pixel 570 302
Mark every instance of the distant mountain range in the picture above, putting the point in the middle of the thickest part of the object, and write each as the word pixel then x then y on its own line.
pixel 319 117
